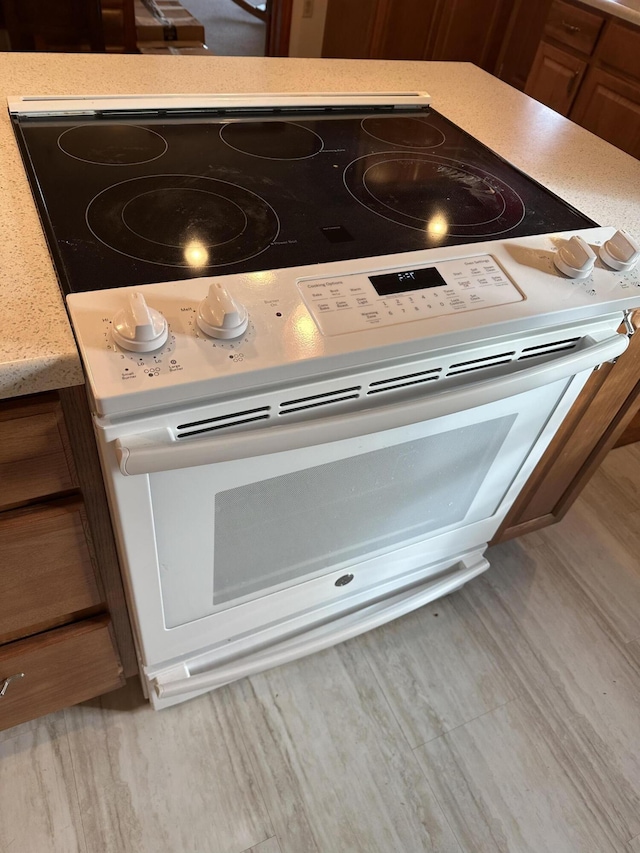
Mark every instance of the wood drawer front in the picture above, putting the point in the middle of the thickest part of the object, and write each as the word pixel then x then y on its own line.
pixel 620 48
pixel 33 463
pixel 577 28
pixel 61 668
pixel 47 574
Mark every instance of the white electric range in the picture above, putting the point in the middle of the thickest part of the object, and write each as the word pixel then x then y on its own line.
pixel 326 340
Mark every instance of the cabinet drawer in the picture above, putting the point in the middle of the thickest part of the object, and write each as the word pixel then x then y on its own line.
pixel 61 668
pixel 47 573
pixel 577 28
pixel 620 48
pixel 32 458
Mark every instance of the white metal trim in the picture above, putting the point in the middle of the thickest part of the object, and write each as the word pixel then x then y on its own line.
pixel 48 105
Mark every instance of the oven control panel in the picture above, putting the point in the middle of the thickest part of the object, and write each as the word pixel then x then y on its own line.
pixel 228 334
pixel 364 300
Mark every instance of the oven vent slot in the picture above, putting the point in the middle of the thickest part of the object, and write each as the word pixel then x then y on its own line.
pixel 404 381
pixel 546 349
pixel 233 419
pixel 480 363
pixel 315 400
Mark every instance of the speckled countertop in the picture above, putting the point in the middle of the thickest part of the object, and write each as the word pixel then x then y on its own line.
pixel 628 10
pixel 37 350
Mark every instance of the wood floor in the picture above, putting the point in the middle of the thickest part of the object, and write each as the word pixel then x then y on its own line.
pixel 505 717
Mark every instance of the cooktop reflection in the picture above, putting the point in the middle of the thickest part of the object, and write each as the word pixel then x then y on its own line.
pixel 136 200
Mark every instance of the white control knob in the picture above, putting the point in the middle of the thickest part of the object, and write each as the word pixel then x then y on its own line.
pixel 576 258
pixel 621 252
pixel 220 316
pixel 138 328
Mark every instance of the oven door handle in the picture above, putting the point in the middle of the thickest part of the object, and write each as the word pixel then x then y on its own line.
pixel 180 681
pixel 145 453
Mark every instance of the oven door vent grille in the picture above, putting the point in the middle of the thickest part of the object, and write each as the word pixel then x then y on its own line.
pixel 315 400
pixel 404 381
pixel 480 363
pixel 367 386
pixel 233 419
pixel 548 348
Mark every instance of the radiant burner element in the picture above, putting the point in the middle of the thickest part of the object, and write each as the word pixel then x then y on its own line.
pixel 144 197
pixel 272 140
pixel 183 220
pixel 112 144
pixel 405 132
pixel 434 194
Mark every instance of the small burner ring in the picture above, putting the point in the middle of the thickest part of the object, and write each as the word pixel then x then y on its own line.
pixel 272 140
pixel 403 131
pixel 112 144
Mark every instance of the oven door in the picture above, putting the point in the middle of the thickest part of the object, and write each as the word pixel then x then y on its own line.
pixel 257 542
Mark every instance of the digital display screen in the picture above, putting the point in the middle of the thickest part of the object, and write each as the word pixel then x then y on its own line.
pixel 406 280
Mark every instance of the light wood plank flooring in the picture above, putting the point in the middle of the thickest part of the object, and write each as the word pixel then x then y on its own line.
pixel 505 718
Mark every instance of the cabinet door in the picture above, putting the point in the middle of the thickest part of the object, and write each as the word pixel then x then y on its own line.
pixel 520 43
pixel 555 77
pixel 619 49
pixel 471 31
pixel 598 418
pixel 403 30
pixel 610 108
pixel 348 28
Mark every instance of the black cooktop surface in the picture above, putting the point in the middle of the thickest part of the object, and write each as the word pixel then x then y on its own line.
pixel 140 199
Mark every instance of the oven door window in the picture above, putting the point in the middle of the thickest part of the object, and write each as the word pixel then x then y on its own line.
pixel 284 528
pixel 230 533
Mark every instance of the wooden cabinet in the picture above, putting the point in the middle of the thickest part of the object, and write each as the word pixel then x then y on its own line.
pixel 69 25
pixel 58 668
pixel 465 30
pixel 33 462
pixel 64 630
pixel 631 433
pixel 587 68
pixel 65 25
pixel 520 42
pixel 603 412
pixel 404 30
pixel 555 78
pixel 610 107
pixel 47 573
pixel 574 27
pixel 470 31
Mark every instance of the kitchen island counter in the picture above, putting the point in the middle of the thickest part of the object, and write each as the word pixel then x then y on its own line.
pixel 37 349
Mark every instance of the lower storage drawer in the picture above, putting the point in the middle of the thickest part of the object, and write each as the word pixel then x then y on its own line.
pixel 47 577
pixel 33 463
pixel 59 668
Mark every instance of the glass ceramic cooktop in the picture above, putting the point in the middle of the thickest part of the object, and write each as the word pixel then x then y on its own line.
pixel 134 200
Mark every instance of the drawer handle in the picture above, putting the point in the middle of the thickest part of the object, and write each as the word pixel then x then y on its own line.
pixel 7 682
pixel 571 28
